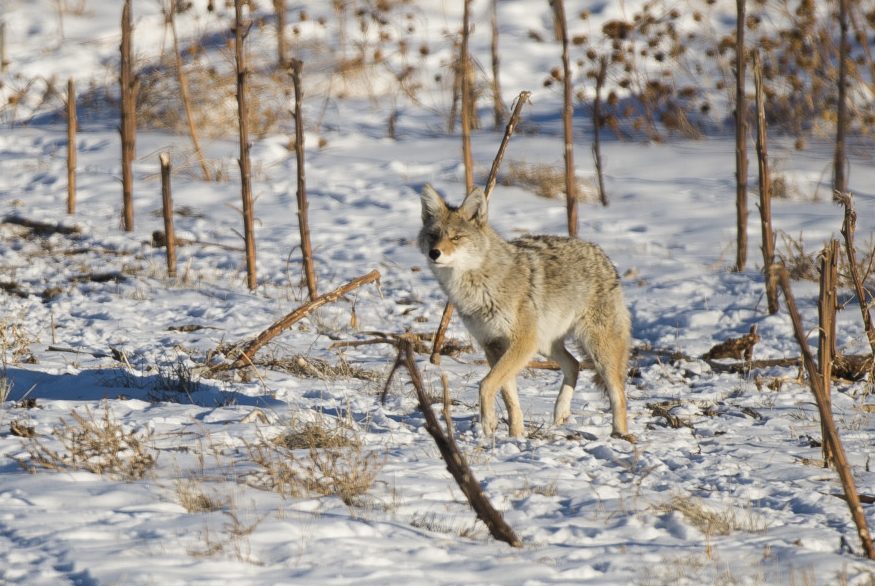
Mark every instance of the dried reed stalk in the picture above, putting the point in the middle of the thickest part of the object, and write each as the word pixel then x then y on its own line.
pixel 740 142
pixel 279 7
pixel 71 146
pixel 184 93
pixel 826 311
pixel 275 329
pixel 567 120
pixel 765 187
pixel 4 62
pixel 128 127
pixel 498 108
pixel 490 185
pixel 467 98
pixel 453 458
pixel 596 125
pixel 303 222
pixel 840 180
pixel 241 31
pixel 167 209
pixel 848 226
pixel 841 462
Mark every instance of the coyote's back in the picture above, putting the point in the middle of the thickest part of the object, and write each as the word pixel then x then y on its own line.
pixel 526 296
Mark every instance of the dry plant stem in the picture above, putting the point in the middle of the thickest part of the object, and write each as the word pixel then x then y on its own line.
pixel 841 462
pixel 567 121
pixel 848 226
pixel 522 98
pixel 4 63
pixel 71 146
pixel 279 7
pixel 765 188
pixel 241 30
pixel 167 208
pixel 498 108
pixel 128 128
pixel 184 93
pixel 303 222
pixel 740 142
pixel 596 125
pixel 467 96
pixel 826 311
pixel 455 461
pixel 840 180
pixel 279 326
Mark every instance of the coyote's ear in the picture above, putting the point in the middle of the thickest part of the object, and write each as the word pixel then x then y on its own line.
pixel 474 207
pixel 433 204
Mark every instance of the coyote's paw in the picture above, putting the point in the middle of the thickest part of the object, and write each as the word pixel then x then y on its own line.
pixel 489 423
pixel 624 436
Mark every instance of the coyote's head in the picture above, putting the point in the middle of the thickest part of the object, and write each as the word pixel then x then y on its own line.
pixel 453 237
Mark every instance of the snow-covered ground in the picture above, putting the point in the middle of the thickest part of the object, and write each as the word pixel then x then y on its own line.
pixel 93 336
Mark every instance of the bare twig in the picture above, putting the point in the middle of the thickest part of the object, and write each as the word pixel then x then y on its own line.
pixel 840 180
pixel 167 208
pixel 740 142
pixel 71 146
pixel 498 108
pixel 455 461
pixel 303 223
pixel 848 226
pixel 826 311
pixel 841 462
pixel 567 117
pixel 241 30
pixel 765 185
pixel 467 98
pixel 283 324
pixel 128 127
pixel 184 94
pixel 596 126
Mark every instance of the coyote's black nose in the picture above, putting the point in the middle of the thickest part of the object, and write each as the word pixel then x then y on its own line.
pixel 434 254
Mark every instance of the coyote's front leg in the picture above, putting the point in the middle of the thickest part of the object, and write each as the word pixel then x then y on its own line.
pixel 506 359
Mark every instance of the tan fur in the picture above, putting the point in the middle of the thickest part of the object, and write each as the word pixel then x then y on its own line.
pixel 526 296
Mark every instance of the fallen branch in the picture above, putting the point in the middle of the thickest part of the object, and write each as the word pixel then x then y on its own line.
pixel 41 228
pixel 275 329
pixel 455 461
pixel 830 434
pixel 522 98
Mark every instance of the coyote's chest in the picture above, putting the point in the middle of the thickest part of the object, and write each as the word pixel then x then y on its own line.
pixel 487 311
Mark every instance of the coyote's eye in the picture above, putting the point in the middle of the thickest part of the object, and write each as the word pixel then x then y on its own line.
pixel 456 237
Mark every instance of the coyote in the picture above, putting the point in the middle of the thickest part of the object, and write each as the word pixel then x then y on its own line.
pixel 525 296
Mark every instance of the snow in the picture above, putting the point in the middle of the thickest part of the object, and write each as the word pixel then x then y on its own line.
pixel 588 508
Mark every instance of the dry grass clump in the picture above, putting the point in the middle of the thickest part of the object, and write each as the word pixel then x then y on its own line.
pixel 546 181
pixel 98 444
pixel 191 495
pixel 803 265
pixel 312 367
pixel 315 458
pixel 15 343
pixel 710 522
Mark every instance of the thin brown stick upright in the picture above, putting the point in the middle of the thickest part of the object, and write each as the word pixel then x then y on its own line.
pixel 467 97
pixel 241 30
pixel 740 142
pixel 596 125
pixel 848 227
pixel 567 119
pixel 841 461
pixel 303 222
pixel 184 93
pixel 826 313
pixel 490 185
pixel 498 108
pixel 840 180
pixel 453 458
pixel 279 7
pixel 71 146
pixel 128 128
pixel 765 188
pixel 4 62
pixel 167 209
